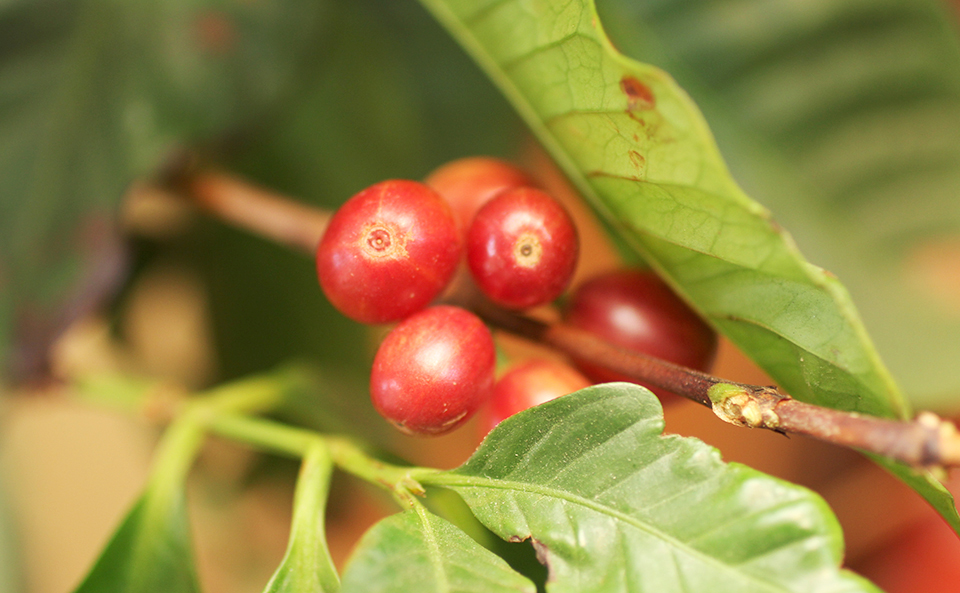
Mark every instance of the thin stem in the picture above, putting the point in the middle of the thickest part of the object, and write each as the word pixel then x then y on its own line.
pixel 296 442
pixel 307 545
pixel 257 394
pixel 925 441
pixel 354 460
pixel 183 439
pixel 175 454
pixel 587 346
pixel 264 434
pixel 254 209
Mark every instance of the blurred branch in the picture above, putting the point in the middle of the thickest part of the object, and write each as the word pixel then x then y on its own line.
pixel 249 207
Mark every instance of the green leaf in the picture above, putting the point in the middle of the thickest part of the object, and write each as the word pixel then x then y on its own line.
pixel 638 149
pixel 843 117
pixel 307 565
pixel 418 551
pixel 927 483
pixel 613 505
pixel 150 552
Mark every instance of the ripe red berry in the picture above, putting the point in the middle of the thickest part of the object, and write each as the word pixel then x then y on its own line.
pixel 433 370
pixel 522 248
pixel 919 556
pixel 468 183
pixel 635 309
pixel 526 385
pixel 388 251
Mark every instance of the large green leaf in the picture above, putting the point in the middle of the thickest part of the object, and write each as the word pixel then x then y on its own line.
pixel 844 118
pixel 418 551
pixel 639 150
pixel 307 565
pixel 637 147
pixel 613 505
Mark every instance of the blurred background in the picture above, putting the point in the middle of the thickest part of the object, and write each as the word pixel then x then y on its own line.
pixel 841 116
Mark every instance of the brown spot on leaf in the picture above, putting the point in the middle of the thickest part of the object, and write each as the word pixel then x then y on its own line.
pixel 637 159
pixel 639 95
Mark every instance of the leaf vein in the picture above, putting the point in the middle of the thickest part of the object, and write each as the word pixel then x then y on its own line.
pixel 472 482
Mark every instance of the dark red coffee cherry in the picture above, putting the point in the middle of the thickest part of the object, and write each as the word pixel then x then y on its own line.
pixel 635 309
pixel 522 248
pixel 388 251
pixel 529 384
pixel 468 183
pixel 433 371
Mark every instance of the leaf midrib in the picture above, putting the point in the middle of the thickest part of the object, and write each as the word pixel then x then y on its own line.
pixel 467 481
pixel 433 549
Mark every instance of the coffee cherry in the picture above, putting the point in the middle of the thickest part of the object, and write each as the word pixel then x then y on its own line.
pixel 636 310
pixel 526 385
pixel 433 370
pixel 388 251
pixel 522 248
pixel 468 183
pixel 921 556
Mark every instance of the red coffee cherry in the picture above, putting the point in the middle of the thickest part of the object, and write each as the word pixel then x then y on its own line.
pixel 468 183
pixel 388 251
pixel 529 384
pixel 433 371
pixel 522 248
pixel 635 309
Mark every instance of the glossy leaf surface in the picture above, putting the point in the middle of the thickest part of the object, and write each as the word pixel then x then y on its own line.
pixel 614 505
pixel 639 150
pixel 418 551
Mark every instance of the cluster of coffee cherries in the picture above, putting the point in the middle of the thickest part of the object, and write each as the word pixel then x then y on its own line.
pixel 393 248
